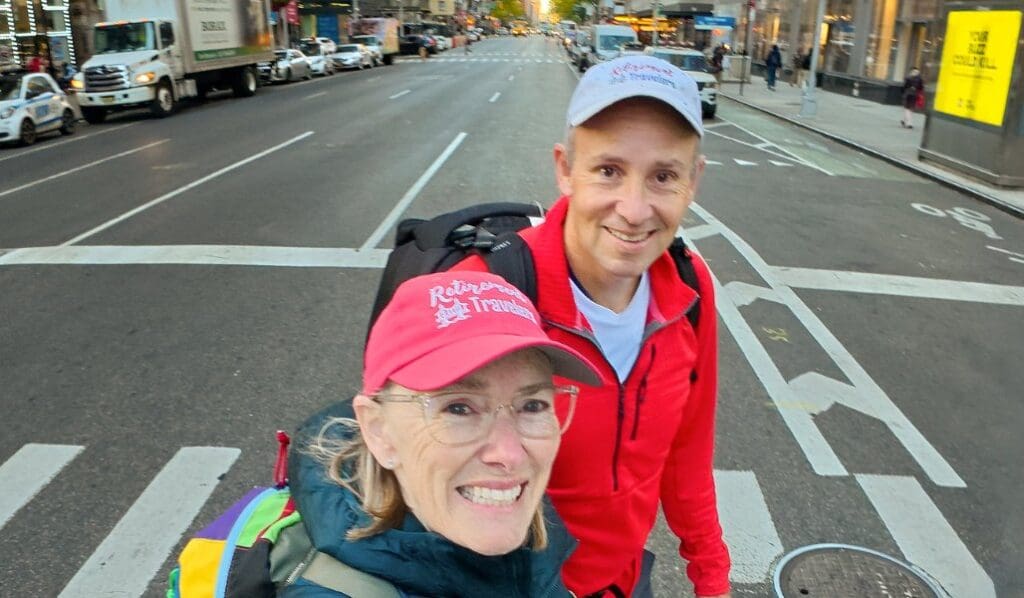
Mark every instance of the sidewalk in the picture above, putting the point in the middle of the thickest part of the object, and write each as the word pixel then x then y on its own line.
pixel 870 127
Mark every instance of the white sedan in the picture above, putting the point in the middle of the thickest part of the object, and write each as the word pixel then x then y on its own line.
pixel 352 56
pixel 31 104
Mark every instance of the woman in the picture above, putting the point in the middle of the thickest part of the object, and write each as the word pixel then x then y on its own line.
pixel 446 461
pixel 913 86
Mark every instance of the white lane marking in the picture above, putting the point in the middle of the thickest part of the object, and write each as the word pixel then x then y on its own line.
pixel 399 94
pixel 925 537
pixel 28 471
pixel 181 190
pixel 315 95
pixel 715 125
pixel 780 163
pixel 747 526
pixel 823 460
pixel 872 398
pixel 136 548
pixel 411 194
pixel 694 233
pixel 494 98
pixel 1020 256
pixel 901 286
pixel 224 255
pixel 75 138
pixel 82 167
pixel 712 163
pixel 511 77
pixel 744 162
pixel 785 155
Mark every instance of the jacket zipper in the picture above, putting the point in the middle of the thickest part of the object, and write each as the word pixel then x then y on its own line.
pixel 621 406
pixel 297 571
pixel 641 393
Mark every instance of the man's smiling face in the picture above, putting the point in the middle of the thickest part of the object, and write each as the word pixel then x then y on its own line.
pixel 631 171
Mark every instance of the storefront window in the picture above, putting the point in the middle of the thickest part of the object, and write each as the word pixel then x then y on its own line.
pixel 882 42
pixel 55 21
pixel 5 23
pixel 22 23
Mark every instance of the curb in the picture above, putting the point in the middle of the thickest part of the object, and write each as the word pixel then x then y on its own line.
pixel 991 200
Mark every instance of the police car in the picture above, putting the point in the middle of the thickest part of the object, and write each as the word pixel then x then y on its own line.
pixel 32 104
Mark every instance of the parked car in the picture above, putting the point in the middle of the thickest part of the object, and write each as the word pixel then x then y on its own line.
pixel 32 104
pixel 319 55
pixel 411 44
pixel 373 46
pixel 695 64
pixel 443 43
pixel 473 36
pixel 604 44
pixel 353 56
pixel 502 30
pixel 289 65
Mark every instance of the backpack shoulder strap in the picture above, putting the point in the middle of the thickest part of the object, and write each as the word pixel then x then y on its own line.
pixel 293 556
pixel 329 572
pixel 684 263
pixel 511 259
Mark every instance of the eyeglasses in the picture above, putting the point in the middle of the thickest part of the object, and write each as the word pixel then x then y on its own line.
pixel 462 417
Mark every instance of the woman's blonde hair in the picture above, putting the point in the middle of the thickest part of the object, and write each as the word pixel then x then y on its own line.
pixel 350 464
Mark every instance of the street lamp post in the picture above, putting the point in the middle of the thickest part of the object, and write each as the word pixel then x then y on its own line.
pixel 809 104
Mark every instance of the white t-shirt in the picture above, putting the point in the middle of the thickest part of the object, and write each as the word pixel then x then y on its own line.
pixel 618 334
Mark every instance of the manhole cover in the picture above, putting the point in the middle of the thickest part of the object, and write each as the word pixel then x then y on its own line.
pixel 841 571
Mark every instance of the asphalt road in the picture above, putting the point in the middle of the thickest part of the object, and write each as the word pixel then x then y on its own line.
pixel 175 290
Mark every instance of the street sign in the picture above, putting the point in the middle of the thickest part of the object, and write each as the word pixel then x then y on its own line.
pixel 707 23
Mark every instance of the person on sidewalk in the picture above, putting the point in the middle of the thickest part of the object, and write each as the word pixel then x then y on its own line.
pixel 424 47
pixel 805 69
pixel 797 63
pixel 772 65
pixel 913 90
pixel 718 63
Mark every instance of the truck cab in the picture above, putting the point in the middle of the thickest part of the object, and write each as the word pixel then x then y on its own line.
pixel 135 64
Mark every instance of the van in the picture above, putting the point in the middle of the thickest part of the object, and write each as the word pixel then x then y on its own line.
pixel 605 43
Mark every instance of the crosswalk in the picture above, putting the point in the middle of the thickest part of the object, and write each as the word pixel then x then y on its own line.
pixel 473 57
pixel 136 548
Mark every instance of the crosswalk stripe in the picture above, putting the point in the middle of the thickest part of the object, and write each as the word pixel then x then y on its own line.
pixel 28 471
pixel 136 548
pixel 925 537
pixel 747 526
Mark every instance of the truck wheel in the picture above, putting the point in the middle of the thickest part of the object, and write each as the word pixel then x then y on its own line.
pixel 245 84
pixel 28 132
pixel 163 103
pixel 67 123
pixel 94 116
pixel 389 59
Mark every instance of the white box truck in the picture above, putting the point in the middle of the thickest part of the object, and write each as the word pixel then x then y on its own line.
pixel 378 34
pixel 154 53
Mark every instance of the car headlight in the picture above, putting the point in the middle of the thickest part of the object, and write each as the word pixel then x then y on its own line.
pixel 78 81
pixel 145 78
pixel 7 112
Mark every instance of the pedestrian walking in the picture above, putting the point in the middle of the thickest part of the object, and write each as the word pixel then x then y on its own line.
pixel 717 60
pixel 805 69
pixel 797 63
pixel 424 47
pixel 772 65
pixel 469 42
pixel 913 97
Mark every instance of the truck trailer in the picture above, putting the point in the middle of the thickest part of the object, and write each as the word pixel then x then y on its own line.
pixel 154 53
pixel 378 33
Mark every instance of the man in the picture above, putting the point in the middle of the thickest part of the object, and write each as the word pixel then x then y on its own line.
pixel 628 170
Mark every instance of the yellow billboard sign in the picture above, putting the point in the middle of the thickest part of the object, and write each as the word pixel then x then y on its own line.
pixel 977 64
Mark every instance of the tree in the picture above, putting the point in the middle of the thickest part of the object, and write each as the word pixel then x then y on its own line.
pixel 507 9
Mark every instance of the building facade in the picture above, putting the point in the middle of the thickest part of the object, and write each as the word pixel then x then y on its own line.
pixel 36 28
pixel 878 40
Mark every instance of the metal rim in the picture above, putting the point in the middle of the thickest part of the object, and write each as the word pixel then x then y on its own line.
pixel 164 98
pixel 777 577
pixel 250 80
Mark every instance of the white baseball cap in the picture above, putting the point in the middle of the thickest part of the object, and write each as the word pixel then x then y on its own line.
pixel 633 76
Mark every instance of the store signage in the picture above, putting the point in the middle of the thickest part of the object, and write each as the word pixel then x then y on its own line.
pixel 977 64
pixel 705 22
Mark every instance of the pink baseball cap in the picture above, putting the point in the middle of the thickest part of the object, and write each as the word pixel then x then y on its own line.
pixel 440 327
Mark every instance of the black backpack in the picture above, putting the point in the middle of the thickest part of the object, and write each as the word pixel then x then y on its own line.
pixel 488 230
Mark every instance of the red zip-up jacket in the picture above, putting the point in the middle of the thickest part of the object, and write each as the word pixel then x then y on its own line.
pixel 633 444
